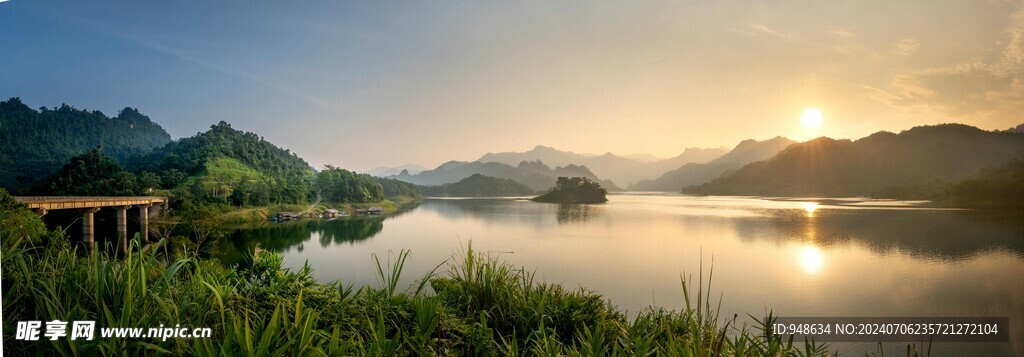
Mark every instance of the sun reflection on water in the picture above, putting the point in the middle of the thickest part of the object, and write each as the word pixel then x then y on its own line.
pixel 809 207
pixel 811 259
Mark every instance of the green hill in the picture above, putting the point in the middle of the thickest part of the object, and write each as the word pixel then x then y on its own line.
pixel 224 165
pixel 36 143
pixel 479 185
pixel 829 167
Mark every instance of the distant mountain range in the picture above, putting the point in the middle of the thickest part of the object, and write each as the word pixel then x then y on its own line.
pixel 619 169
pixel 697 173
pixel 479 185
pixel 385 171
pixel 535 174
pixel 830 167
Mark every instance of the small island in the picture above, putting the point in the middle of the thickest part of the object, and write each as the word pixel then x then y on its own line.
pixel 575 190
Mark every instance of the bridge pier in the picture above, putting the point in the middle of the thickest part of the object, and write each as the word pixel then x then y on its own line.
pixel 122 228
pixel 89 228
pixel 144 222
pixel 42 204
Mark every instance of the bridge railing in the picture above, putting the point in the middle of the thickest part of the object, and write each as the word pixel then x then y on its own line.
pixel 88 198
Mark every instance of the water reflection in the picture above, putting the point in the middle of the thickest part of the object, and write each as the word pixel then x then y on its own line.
pixel 809 207
pixel 281 237
pixel 820 258
pixel 811 259
pixel 575 213
pixel 943 235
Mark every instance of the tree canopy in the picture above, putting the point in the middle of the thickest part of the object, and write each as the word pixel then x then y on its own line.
pixel 35 143
pixel 90 174
pixel 575 190
pixel 230 166
pixel 343 186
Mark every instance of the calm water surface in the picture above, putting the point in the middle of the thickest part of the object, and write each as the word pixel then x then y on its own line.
pixel 842 257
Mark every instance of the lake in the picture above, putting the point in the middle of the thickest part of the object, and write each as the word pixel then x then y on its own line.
pixel 827 257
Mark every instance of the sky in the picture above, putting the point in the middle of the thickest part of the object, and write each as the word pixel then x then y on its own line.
pixel 362 84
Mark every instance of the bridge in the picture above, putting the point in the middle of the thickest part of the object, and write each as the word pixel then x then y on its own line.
pixel 91 204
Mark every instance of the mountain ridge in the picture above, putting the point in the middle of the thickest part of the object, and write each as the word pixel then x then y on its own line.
pixel 618 169
pixel 534 174
pixel 843 167
pixel 745 152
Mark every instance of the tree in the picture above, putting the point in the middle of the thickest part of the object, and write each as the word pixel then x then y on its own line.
pixel 17 222
pixel 89 174
pixel 575 190
pixel 343 186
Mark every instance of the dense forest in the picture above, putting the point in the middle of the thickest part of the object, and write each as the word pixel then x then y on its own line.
pixel 479 185
pixel 1000 187
pixel 343 186
pixel 74 152
pixel 224 165
pixel 95 174
pixel 398 189
pixel 575 190
pixel 830 167
pixel 36 143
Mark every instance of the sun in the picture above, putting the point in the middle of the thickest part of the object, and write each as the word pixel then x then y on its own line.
pixel 811 118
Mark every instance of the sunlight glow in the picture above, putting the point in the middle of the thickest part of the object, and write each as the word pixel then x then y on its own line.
pixel 809 207
pixel 811 118
pixel 811 259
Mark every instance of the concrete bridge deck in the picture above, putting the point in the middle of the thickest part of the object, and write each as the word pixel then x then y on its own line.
pixel 51 203
pixel 90 204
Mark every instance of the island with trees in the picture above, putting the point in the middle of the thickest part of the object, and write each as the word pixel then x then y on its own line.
pixel 575 190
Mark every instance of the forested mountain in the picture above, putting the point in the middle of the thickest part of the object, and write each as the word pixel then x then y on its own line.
pixel 231 166
pixel 829 167
pixel 479 185
pixel 534 174
pixel 694 174
pixel 1016 129
pixel 999 187
pixel 621 170
pixel 398 189
pixel 36 143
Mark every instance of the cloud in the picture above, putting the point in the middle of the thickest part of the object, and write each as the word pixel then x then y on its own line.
pixel 841 32
pixel 907 46
pixel 762 30
pixel 982 88
pixel 1014 53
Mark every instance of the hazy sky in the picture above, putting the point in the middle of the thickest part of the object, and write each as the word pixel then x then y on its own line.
pixel 369 83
